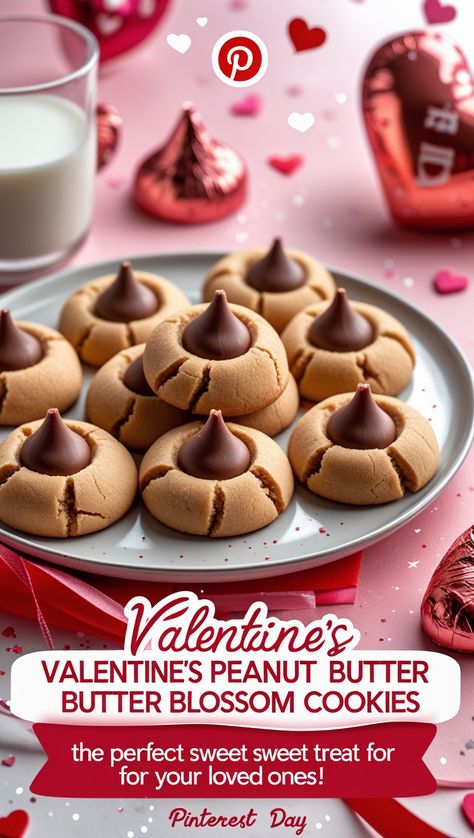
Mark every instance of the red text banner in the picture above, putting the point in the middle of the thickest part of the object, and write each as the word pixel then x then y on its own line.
pixel 211 761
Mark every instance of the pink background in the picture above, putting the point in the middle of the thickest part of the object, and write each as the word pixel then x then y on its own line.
pixel 332 207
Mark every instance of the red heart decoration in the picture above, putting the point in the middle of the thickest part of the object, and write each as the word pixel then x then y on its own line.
pixel 418 103
pixel 9 761
pixel 9 631
pixel 447 612
pixel 15 824
pixel 286 165
pixel 436 13
pixel 303 36
pixel 116 31
pixel 446 282
pixel 468 809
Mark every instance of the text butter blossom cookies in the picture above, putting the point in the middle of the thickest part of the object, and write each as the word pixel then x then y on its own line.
pixel 113 313
pixel 356 449
pixel 333 347
pixel 60 479
pixel 38 367
pixel 216 356
pixel 277 284
pixel 215 479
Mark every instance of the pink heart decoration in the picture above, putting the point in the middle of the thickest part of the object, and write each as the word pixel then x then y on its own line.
pixel 15 824
pixel 117 27
pixel 249 106
pixel 446 282
pixel 9 761
pixel 435 12
pixel 468 809
pixel 286 165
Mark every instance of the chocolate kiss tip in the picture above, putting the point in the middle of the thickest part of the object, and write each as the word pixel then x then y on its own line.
pixel 361 423
pixel 54 448
pixel 134 378
pixel 214 453
pixel 18 349
pixel 340 328
pixel 275 272
pixel 217 334
pixel 126 299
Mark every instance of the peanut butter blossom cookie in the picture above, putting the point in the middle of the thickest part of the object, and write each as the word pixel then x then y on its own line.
pixel 38 367
pixel 215 479
pixel 62 479
pixel 121 401
pixel 276 284
pixel 333 347
pixel 216 356
pixel 113 313
pixel 356 449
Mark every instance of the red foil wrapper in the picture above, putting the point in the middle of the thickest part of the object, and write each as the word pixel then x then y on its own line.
pixel 447 612
pixel 193 178
pixel 418 104
pixel 109 124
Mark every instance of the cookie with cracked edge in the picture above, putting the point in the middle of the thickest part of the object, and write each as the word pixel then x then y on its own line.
pixel 58 506
pixel 363 476
pixel 386 363
pixel 216 508
pixel 97 339
pixel 237 386
pixel 277 307
pixel 137 419
pixel 275 417
pixel 56 378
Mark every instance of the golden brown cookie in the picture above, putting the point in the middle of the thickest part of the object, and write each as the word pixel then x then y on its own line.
pixel 39 496
pixel 220 506
pixel 250 376
pixel 385 362
pixel 363 475
pixel 49 372
pixel 112 313
pixel 120 401
pixel 286 281
pixel 274 418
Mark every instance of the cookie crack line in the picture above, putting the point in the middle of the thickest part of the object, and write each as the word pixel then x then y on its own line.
pixel 402 477
pixel 98 488
pixel 155 474
pixel 274 361
pixel 217 510
pixel 300 363
pixel 202 388
pixel 367 373
pixel 84 338
pixel 167 374
pixel 67 506
pixel 126 416
pixel 3 391
pixel 269 486
pixel 314 464
pixel 8 471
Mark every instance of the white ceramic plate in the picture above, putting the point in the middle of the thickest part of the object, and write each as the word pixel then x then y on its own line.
pixel 312 531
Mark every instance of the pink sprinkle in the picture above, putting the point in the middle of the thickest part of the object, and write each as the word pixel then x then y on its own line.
pixel 9 761
pixel 383 620
pixel 2 672
pixel 115 182
pixel 322 530
pixel 294 90
pixel 9 631
pixel 446 282
pixel 17 650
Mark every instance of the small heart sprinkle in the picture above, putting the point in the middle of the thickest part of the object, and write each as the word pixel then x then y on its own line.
pixel 201 21
pixel 468 809
pixel 180 43
pixel 445 282
pixel 14 825
pixel 435 12
pixel 9 631
pixel 9 761
pixel 286 165
pixel 301 121
pixel 249 106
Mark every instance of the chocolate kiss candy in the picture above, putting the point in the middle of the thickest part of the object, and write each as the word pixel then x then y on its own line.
pixel 192 178
pixel 361 423
pixel 217 333
pixel 276 272
pixel 54 448
pixel 134 378
pixel 126 299
pixel 214 453
pixel 339 328
pixel 447 612
pixel 18 349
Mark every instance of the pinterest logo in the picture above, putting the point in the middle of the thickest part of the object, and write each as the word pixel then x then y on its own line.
pixel 239 58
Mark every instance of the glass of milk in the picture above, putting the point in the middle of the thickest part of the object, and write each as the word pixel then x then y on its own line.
pixel 48 79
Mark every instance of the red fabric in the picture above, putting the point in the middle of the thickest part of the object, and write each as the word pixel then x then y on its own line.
pixel 93 604
pixel 390 819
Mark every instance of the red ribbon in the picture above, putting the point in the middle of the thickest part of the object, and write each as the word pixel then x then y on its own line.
pixel 390 819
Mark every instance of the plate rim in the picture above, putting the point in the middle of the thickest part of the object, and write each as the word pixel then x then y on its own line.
pixel 255 568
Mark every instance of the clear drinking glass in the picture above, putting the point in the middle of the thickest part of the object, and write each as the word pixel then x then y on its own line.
pixel 48 80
